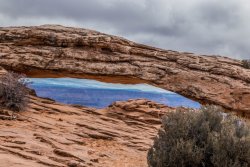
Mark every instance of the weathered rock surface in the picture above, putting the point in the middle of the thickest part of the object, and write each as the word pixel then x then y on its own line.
pixel 57 135
pixel 62 51
pixel 53 134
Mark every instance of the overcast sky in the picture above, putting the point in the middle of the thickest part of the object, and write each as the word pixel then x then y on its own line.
pixel 220 27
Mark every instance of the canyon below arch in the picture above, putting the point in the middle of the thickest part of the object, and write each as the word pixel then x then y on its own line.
pixel 70 135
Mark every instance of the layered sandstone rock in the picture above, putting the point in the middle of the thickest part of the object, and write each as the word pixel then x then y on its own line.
pixel 62 51
pixel 53 134
pixel 57 135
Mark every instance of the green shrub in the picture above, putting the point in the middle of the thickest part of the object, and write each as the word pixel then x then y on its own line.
pixel 246 64
pixel 205 138
pixel 13 91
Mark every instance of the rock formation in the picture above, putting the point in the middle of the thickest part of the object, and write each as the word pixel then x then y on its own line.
pixel 58 135
pixel 62 51
pixel 53 134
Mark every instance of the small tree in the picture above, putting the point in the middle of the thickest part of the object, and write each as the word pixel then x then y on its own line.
pixel 246 64
pixel 13 91
pixel 207 138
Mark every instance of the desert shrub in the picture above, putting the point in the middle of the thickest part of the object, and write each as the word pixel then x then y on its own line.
pixel 205 138
pixel 13 91
pixel 246 64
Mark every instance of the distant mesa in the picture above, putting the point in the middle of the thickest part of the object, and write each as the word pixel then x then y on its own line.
pixel 97 94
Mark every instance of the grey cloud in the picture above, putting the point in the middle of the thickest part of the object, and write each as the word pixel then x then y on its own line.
pixel 200 26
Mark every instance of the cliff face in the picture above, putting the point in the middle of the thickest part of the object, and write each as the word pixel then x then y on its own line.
pixel 61 51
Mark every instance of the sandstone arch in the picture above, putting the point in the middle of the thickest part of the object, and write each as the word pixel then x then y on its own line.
pixel 61 51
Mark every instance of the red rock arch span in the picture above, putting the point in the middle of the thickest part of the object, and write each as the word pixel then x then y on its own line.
pixel 63 51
